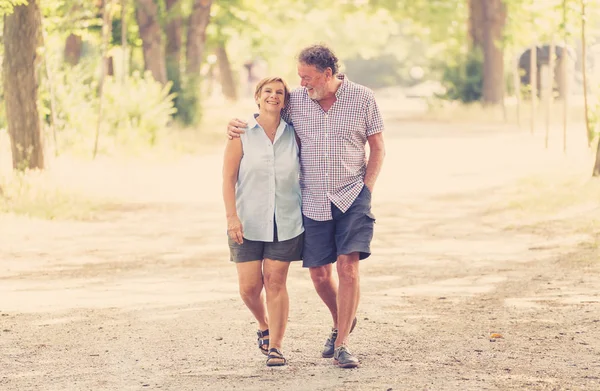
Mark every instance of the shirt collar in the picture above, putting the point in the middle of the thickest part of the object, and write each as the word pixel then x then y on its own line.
pixel 252 123
pixel 342 88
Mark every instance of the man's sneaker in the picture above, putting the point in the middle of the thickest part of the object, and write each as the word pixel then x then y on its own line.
pixel 330 344
pixel 344 359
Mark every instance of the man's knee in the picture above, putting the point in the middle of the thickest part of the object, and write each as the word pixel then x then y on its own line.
pixel 320 275
pixel 347 267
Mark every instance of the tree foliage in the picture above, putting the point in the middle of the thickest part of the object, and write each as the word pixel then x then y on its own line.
pixel 378 43
pixel 7 6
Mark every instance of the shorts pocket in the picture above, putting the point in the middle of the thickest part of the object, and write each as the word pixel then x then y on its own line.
pixel 367 191
pixel 371 216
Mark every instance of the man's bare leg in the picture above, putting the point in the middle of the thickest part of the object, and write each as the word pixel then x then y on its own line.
pixel 348 295
pixel 325 285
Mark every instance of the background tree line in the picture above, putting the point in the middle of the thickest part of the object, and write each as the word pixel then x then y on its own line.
pixel 77 70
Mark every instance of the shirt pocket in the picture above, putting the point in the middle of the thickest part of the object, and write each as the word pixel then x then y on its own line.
pixel 350 126
pixel 307 128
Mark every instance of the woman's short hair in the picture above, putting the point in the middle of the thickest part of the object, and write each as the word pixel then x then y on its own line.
pixel 319 56
pixel 273 79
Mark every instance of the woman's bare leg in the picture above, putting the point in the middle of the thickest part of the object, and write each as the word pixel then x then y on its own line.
pixel 278 303
pixel 250 276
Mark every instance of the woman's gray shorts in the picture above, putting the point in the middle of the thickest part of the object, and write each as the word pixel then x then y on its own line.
pixel 251 250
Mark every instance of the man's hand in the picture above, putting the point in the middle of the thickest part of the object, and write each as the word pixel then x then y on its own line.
pixel 376 155
pixel 235 128
pixel 235 230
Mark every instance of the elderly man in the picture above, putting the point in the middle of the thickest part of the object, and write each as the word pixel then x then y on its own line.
pixel 334 118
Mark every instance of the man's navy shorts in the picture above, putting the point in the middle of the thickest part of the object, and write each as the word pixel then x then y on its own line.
pixel 346 233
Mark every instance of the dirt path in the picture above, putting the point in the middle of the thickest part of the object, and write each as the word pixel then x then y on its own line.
pixel 144 298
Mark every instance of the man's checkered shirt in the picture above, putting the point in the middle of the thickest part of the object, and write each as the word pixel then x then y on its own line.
pixel 332 154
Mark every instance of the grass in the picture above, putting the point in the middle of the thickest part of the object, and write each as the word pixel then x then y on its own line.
pixel 557 204
pixel 34 194
pixel 547 195
pixel 456 112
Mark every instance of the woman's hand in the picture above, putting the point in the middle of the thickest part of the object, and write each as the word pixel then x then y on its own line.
pixel 235 230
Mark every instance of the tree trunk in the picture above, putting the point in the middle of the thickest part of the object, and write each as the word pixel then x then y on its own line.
pixel 493 55
pixel 189 108
pixel 124 72
pixel 533 84
pixel 196 36
pixel 146 13
pixel 106 32
pixel 22 36
pixel 50 79
pixel 597 164
pixel 584 75
pixel 476 23
pixel 173 31
pixel 227 81
pixel 565 76
pixel 110 66
pixel 550 88
pixel 73 46
pixel 517 87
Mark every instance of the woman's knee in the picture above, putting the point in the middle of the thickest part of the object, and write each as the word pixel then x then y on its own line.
pixel 250 291
pixel 275 275
pixel 275 281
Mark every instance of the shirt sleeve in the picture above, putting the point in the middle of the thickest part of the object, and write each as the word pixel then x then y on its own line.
pixel 374 119
pixel 286 114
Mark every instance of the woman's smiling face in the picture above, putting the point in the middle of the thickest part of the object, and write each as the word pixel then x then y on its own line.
pixel 271 97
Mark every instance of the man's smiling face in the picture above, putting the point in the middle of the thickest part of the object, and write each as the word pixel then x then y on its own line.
pixel 313 80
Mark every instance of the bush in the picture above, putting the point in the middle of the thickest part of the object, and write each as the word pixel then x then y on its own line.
pixel 133 112
pixel 463 80
pixel 138 109
pixel 189 109
pixel 382 71
pixel 75 90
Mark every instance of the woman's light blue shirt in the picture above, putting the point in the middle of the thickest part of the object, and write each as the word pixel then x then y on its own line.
pixel 268 186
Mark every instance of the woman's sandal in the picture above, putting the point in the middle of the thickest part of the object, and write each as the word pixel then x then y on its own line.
pixel 275 358
pixel 263 343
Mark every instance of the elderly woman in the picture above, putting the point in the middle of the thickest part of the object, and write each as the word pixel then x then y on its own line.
pixel 261 192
